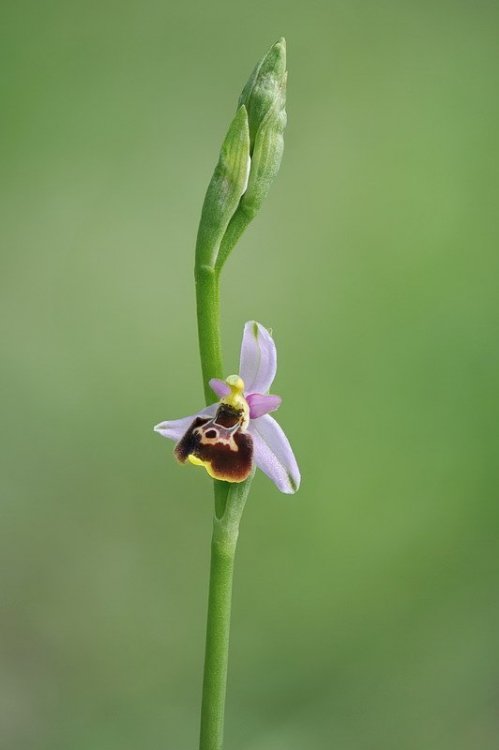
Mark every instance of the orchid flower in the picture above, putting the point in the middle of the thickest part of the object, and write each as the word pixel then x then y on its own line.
pixel 229 437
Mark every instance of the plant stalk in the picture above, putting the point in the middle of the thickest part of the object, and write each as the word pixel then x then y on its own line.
pixel 208 317
pixel 253 142
pixel 223 550
pixel 217 644
pixel 229 504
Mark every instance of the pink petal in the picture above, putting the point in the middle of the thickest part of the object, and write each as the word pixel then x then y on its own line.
pixel 259 404
pixel 176 428
pixel 219 387
pixel 273 454
pixel 258 362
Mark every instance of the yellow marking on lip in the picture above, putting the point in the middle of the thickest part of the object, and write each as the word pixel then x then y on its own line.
pixel 198 462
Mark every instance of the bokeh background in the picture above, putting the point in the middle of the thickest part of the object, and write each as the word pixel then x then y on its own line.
pixel 365 610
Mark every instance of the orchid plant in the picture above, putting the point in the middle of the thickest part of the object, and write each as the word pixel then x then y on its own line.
pixel 234 436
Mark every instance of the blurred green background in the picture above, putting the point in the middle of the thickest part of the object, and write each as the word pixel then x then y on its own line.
pixel 365 610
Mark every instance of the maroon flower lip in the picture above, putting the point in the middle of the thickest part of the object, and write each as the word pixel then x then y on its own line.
pixel 226 452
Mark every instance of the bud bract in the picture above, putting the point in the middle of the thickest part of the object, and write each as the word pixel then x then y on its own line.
pixel 227 185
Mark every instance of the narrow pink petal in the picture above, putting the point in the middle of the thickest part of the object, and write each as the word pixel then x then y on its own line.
pixel 219 387
pixel 258 362
pixel 174 429
pixel 273 453
pixel 259 404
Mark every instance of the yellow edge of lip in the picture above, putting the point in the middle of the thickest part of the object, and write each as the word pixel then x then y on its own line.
pixel 198 462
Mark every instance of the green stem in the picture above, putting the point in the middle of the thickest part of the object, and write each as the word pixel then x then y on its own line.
pixel 224 539
pixel 229 504
pixel 210 348
pixel 208 314
pixel 235 228
pixel 223 550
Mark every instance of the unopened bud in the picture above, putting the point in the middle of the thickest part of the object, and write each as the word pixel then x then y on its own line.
pixel 265 88
pixel 250 159
pixel 267 151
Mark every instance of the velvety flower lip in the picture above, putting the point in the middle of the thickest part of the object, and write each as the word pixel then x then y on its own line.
pixel 258 365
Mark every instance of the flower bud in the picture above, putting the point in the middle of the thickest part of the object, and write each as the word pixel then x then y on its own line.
pixel 264 96
pixel 267 151
pixel 228 183
pixel 265 89
pixel 249 160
